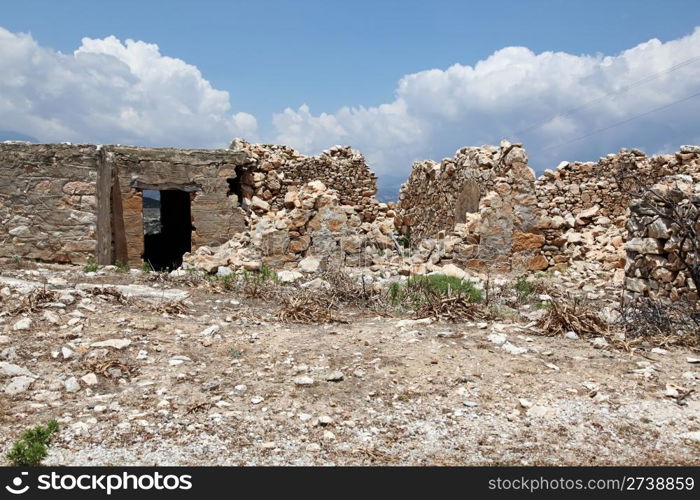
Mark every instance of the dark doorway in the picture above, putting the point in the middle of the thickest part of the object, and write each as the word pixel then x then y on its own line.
pixel 167 239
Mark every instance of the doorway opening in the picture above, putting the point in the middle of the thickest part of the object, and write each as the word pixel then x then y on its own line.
pixel 167 228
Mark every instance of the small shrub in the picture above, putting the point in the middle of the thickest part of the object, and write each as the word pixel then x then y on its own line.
pixel 267 274
pixel 32 447
pixel 122 267
pixel 523 287
pixel 444 285
pixel 226 282
pixel 146 267
pixel 404 240
pixel 91 265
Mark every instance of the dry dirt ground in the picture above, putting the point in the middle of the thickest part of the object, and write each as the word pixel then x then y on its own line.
pixel 376 390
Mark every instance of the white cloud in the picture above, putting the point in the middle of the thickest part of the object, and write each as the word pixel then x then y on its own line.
pixel 112 92
pixel 438 111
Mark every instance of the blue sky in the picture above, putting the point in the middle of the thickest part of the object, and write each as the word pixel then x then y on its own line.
pixel 358 56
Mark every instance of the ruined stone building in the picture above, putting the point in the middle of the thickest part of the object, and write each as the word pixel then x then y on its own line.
pixel 70 203
pixel 483 208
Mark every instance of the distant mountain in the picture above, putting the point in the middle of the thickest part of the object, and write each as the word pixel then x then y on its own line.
pixel 8 135
pixel 149 202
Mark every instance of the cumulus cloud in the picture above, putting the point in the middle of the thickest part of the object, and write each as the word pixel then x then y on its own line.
pixel 112 92
pixel 547 100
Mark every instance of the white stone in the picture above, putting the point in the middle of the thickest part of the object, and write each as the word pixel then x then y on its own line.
pixel 224 271
pixel 115 343
pixel 303 380
pixel 309 264
pixel 18 385
pixel 90 379
pixel 692 436
pixel 288 276
pixel 513 349
pixel 210 330
pixel 334 376
pixel 72 385
pixel 497 338
pixel 11 370
pixel 23 324
pixel 51 317
pixel 325 420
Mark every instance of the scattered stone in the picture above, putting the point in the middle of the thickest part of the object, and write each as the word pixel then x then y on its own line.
pixel 90 379
pixel 525 403
pixel 513 349
pixel 571 335
pixel 18 385
pixel 114 343
pixel 497 338
pixel 324 420
pixel 309 265
pixel 72 385
pixel 303 380
pixel 22 324
pixel 11 370
pixel 335 376
pixel 691 436
pixel 288 276
pixel 211 330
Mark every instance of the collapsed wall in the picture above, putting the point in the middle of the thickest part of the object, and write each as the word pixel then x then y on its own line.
pixel 48 205
pixel 275 169
pixel 312 230
pixel 484 196
pixel 663 251
pixel 584 204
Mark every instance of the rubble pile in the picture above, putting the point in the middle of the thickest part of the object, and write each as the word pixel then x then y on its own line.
pixel 311 229
pixel 274 169
pixel 662 241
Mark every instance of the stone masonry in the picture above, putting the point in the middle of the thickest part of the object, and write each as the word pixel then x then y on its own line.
pixel 48 206
pixel 485 196
pixel 276 169
pixel 662 243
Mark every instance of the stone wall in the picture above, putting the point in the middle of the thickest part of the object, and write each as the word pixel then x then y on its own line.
pixel 583 205
pixel 483 196
pixel 48 207
pixel 276 169
pixel 663 240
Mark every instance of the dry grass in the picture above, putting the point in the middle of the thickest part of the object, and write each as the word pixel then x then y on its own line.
pixel 308 308
pixel 662 324
pixel 457 308
pixel 564 316
pixel 109 294
pixel 35 301
pixel 173 307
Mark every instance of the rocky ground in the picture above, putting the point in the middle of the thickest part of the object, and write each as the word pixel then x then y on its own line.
pixel 139 369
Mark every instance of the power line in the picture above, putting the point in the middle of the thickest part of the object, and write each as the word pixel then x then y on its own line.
pixel 619 91
pixel 627 120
